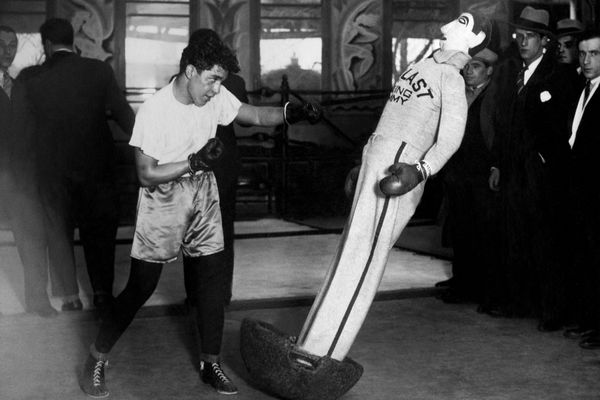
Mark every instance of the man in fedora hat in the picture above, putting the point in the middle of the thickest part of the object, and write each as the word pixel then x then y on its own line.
pixel 531 146
pixel 567 36
pixel 467 193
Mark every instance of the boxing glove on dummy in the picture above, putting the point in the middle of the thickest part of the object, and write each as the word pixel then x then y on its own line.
pixel 205 158
pixel 293 112
pixel 350 184
pixel 403 179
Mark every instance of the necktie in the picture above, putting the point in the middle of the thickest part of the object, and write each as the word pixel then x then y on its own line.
pixel 521 79
pixel 586 94
pixel 6 83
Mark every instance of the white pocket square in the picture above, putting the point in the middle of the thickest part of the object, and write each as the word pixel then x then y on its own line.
pixel 545 96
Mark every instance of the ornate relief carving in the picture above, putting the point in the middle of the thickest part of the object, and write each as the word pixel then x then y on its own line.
pixel 93 22
pixel 223 15
pixel 355 44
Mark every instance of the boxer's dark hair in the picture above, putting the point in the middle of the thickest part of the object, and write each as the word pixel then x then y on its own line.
pixel 6 28
pixel 205 50
pixel 57 31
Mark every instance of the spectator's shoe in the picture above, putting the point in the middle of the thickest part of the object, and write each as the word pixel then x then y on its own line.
pixel 72 305
pixel 92 380
pixel 578 332
pixel 550 325
pixel 44 311
pixel 214 375
pixel 444 284
pixel 591 342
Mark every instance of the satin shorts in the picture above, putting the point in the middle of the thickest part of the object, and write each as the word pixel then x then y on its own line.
pixel 182 214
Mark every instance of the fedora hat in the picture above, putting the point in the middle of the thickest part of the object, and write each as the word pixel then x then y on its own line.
pixel 568 26
pixel 535 20
pixel 486 55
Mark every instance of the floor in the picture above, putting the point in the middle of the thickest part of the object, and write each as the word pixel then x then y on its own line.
pixel 412 346
pixel 293 255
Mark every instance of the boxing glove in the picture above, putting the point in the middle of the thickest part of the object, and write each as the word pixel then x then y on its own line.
pixel 205 158
pixel 293 112
pixel 403 179
pixel 350 184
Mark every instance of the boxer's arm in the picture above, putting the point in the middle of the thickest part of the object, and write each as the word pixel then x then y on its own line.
pixel 453 119
pixel 262 116
pixel 272 116
pixel 150 173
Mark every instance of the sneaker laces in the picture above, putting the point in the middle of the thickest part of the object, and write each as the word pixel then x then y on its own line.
pixel 98 372
pixel 219 372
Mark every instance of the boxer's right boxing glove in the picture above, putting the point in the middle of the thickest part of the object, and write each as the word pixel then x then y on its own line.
pixel 205 158
pixel 403 179
pixel 294 112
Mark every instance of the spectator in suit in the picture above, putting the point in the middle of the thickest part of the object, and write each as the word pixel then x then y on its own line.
pixel 72 97
pixel 532 147
pixel 567 36
pixel 470 201
pixel 226 172
pixel 584 140
pixel 19 194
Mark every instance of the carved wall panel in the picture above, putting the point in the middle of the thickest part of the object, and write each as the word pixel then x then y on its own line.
pixel 356 44
pixel 230 19
pixel 93 22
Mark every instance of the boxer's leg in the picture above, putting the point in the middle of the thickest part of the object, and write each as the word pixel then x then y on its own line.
pixel 374 225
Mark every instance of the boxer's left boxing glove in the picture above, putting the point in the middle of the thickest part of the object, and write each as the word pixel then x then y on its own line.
pixel 403 179
pixel 205 158
pixel 293 112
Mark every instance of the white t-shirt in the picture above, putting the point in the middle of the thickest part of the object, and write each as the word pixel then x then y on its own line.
pixel 170 131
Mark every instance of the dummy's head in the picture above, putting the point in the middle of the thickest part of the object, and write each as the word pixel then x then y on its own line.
pixel 469 33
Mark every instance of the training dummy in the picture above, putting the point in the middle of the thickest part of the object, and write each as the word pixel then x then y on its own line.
pixel 420 128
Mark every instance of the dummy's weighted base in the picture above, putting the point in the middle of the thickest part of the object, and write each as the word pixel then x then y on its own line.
pixel 278 367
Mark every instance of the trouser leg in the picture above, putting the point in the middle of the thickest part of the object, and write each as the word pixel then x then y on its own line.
pixel 59 226
pixel 27 221
pixel 205 279
pixel 374 225
pixel 142 282
pixel 98 230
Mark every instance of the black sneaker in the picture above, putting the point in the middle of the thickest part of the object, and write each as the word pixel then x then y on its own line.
pixel 92 379
pixel 214 375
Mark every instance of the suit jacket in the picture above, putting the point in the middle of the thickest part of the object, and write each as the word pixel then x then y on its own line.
pixel 17 130
pixel 532 125
pixel 72 96
pixel 473 159
pixel 227 169
pixel 585 155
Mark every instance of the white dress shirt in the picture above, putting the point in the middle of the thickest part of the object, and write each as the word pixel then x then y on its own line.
pixel 531 69
pixel 581 108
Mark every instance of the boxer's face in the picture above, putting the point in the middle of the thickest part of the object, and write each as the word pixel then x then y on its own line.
pixel 458 34
pixel 205 84
pixel 8 49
